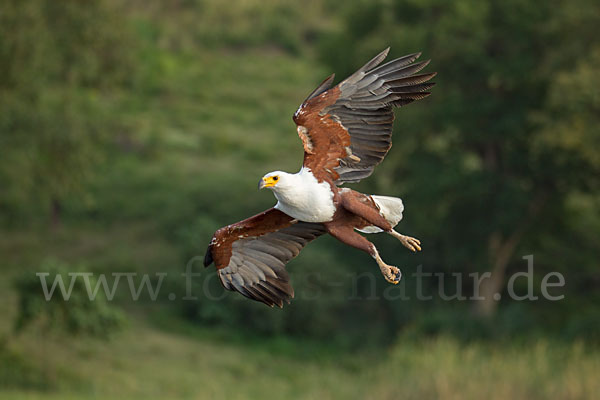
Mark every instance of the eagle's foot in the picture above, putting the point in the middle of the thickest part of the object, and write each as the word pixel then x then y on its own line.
pixel 409 242
pixel 390 273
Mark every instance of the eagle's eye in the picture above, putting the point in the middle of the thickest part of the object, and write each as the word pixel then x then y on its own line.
pixel 275 178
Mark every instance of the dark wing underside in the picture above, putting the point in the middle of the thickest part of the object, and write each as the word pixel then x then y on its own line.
pixel 347 130
pixel 250 256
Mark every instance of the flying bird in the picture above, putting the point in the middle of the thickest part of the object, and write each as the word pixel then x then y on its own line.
pixel 346 131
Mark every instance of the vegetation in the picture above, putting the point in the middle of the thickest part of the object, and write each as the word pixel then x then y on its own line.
pixel 130 131
pixel 165 365
pixel 78 315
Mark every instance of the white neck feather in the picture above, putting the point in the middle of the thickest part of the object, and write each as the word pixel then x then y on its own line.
pixel 302 197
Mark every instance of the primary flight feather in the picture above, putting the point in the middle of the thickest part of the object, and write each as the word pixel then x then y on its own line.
pixel 346 131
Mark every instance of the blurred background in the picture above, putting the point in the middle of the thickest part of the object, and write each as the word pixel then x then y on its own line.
pixel 131 130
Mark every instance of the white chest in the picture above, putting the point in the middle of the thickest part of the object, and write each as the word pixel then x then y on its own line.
pixel 306 200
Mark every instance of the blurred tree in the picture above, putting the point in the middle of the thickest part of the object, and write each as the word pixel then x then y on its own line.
pixel 512 124
pixel 59 60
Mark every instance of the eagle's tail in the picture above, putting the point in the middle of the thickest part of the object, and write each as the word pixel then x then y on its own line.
pixel 390 208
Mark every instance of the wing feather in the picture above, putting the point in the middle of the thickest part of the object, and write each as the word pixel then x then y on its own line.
pixel 347 130
pixel 250 255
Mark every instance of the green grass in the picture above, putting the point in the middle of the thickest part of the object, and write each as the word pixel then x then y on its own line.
pixel 145 363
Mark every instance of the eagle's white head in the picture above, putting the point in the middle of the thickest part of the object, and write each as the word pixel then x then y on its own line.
pixel 276 181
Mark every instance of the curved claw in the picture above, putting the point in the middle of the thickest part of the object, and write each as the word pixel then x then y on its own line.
pixel 390 273
pixel 393 275
pixel 411 243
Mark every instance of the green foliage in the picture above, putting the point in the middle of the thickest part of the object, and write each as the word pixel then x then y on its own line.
pixel 144 127
pixel 76 314
pixel 16 371
pixel 171 114
pixel 147 124
pixel 570 127
pixel 62 61
pixel 489 163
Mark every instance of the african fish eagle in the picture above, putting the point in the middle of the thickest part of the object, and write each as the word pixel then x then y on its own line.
pixel 346 131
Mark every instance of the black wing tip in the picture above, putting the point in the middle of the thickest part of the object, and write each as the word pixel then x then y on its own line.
pixel 280 304
pixel 208 258
pixel 270 301
pixel 410 58
pixel 323 87
pixel 374 62
pixel 272 292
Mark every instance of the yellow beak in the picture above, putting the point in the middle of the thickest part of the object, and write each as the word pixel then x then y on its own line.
pixel 266 182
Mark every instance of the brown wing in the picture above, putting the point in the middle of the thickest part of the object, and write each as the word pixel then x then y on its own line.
pixel 250 255
pixel 347 130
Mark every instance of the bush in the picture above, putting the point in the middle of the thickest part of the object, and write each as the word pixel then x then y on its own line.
pixel 77 314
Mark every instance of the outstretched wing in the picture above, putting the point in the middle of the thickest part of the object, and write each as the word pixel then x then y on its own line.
pixel 250 255
pixel 347 130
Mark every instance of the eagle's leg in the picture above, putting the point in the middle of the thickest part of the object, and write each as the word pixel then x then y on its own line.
pixel 411 243
pixel 358 204
pixel 346 234
pixel 390 273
